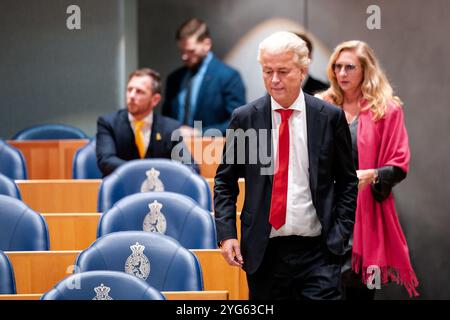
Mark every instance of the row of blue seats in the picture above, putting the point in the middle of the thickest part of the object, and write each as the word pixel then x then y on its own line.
pixel 175 215
pixel 158 260
pixel 90 285
pixel 144 175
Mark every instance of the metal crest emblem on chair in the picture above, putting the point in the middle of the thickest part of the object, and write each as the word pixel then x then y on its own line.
pixel 152 183
pixel 138 264
pixel 102 293
pixel 155 221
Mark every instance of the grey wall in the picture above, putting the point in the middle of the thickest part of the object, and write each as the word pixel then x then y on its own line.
pixel 413 46
pixel 52 74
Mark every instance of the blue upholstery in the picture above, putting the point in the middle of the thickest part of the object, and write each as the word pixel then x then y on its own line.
pixel 84 165
pixel 8 187
pixel 50 132
pixel 176 177
pixel 172 267
pixel 102 285
pixel 21 229
pixel 7 284
pixel 192 226
pixel 12 162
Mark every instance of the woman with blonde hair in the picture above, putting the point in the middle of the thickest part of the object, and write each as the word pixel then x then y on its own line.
pixel 381 156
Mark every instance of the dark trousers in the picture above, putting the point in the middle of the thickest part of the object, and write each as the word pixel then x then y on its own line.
pixel 296 268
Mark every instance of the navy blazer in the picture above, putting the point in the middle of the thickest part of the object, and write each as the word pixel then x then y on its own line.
pixel 221 91
pixel 332 179
pixel 116 145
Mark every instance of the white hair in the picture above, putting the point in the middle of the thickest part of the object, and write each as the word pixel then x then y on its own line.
pixel 284 41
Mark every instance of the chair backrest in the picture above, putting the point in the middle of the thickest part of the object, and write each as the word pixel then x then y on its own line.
pixel 7 283
pixel 12 162
pixel 153 257
pixel 172 214
pixel 50 132
pixel 84 165
pixel 21 229
pixel 8 187
pixel 153 175
pixel 102 285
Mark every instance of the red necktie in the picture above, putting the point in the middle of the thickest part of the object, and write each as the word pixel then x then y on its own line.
pixel 280 181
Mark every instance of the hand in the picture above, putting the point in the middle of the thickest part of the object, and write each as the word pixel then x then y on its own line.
pixel 365 177
pixel 232 253
pixel 189 132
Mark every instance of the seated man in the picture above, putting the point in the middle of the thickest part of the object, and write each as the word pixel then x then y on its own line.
pixel 137 132
pixel 205 89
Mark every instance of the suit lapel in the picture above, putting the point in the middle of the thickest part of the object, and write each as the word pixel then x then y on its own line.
pixel 152 146
pixel 315 122
pixel 263 120
pixel 204 88
pixel 126 133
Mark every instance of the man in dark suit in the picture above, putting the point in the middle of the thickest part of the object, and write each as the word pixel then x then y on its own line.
pixel 205 89
pixel 311 85
pixel 137 132
pixel 299 212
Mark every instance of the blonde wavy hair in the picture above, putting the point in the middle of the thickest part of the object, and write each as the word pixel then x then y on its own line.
pixel 375 87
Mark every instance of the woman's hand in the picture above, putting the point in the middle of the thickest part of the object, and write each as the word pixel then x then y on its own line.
pixel 366 177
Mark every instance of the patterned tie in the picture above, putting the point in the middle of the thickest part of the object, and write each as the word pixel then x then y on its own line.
pixel 278 202
pixel 138 137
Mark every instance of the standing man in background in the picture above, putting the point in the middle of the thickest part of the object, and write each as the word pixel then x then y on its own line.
pixel 204 89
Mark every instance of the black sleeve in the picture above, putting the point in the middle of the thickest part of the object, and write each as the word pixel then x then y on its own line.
pixel 388 177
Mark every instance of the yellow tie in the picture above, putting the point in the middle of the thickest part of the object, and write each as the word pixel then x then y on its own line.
pixel 138 138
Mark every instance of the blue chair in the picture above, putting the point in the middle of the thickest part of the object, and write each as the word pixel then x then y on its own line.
pixel 8 187
pixel 21 229
pixel 84 165
pixel 102 285
pixel 50 132
pixel 153 257
pixel 12 162
pixel 172 214
pixel 132 176
pixel 7 283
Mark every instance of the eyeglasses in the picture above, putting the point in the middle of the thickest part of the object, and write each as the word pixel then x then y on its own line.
pixel 348 68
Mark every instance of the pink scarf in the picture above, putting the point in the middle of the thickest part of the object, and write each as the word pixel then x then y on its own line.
pixel 378 236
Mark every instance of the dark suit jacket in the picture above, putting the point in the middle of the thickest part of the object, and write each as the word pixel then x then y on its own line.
pixel 221 91
pixel 332 179
pixel 115 140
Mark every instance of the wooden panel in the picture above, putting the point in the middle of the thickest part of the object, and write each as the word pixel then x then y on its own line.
pixel 59 196
pixel 207 152
pixel 49 159
pixel 72 231
pixel 241 196
pixel 170 295
pixel 38 271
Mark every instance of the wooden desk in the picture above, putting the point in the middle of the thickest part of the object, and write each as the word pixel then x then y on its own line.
pixel 170 295
pixel 49 159
pixel 60 196
pixel 75 231
pixel 207 152
pixel 38 271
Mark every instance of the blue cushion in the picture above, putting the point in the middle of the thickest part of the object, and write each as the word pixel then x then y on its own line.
pixel 21 229
pixel 50 132
pixel 176 177
pixel 156 258
pixel 84 165
pixel 184 220
pixel 12 162
pixel 102 285
pixel 7 284
pixel 8 187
